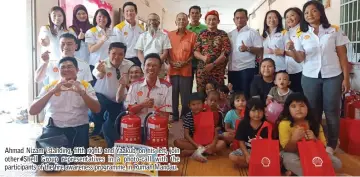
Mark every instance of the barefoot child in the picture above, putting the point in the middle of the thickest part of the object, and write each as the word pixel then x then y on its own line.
pixel 253 119
pixel 238 104
pixel 187 145
pixel 296 116
pixel 281 90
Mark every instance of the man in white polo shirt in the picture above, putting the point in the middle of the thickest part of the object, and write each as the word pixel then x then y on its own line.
pixel 128 32
pixel 110 74
pixel 49 71
pixel 154 41
pixel 150 92
pixel 246 44
pixel 66 102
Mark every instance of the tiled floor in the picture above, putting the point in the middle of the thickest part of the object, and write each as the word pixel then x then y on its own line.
pixel 17 135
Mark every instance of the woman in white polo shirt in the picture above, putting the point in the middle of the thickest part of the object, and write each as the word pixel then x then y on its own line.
pixel 321 47
pixel 49 34
pixel 99 38
pixel 274 39
pixel 294 69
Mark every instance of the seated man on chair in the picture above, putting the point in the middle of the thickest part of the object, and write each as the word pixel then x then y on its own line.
pixel 150 92
pixel 66 102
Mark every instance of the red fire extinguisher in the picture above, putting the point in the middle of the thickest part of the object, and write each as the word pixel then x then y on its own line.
pixel 350 104
pixel 156 129
pixel 128 126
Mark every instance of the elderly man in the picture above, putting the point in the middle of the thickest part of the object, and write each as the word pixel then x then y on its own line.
pixel 128 31
pixel 154 41
pixel 196 27
pixel 212 48
pixel 49 69
pixel 66 102
pixel 111 75
pixel 246 44
pixel 181 55
pixel 150 92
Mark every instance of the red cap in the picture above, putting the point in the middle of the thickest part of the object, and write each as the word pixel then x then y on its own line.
pixel 213 12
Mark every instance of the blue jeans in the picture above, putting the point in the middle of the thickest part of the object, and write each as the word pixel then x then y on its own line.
pixel 106 118
pixel 113 109
pixel 77 136
pixel 241 80
pixel 324 94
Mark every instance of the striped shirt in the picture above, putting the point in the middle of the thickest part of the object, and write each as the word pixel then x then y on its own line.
pixel 189 123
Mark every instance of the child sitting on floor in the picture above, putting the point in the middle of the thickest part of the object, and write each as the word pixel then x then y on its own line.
pixel 279 92
pixel 224 104
pixel 292 128
pixel 212 104
pixel 187 145
pixel 238 104
pixel 248 128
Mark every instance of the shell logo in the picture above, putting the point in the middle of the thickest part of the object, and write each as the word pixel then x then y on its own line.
pixel 317 161
pixel 265 161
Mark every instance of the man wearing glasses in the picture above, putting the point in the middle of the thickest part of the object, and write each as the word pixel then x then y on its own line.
pixel 112 77
pixel 49 69
pixel 66 102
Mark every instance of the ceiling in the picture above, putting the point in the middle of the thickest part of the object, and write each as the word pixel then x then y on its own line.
pixel 225 8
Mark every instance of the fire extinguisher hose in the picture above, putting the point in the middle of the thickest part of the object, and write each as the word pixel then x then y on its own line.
pixel 118 121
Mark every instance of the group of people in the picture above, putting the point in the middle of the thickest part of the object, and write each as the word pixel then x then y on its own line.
pixel 108 70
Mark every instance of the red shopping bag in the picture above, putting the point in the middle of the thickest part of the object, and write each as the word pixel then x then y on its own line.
pixel 349 131
pixel 204 128
pixel 314 159
pixel 265 155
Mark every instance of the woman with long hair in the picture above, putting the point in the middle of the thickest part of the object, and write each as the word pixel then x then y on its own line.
pixel 80 24
pixel 294 69
pixel 274 39
pixel 321 46
pixel 50 33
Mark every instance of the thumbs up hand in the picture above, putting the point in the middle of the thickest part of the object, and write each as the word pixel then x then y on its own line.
pixel 101 67
pixel 45 57
pixel 290 45
pixel 81 35
pixel 243 47
pixel 278 51
pixel 45 41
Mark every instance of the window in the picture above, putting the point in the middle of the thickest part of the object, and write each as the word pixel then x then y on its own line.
pixel 350 24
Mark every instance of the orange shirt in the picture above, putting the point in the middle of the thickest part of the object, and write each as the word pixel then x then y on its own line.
pixel 182 49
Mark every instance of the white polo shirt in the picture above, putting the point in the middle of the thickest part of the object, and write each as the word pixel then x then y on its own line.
pixel 292 67
pixel 153 44
pixel 139 91
pixel 92 36
pixel 67 108
pixel 54 46
pixel 243 60
pixel 109 84
pixel 53 71
pixel 320 51
pixel 272 41
pixel 128 35
pixel 83 52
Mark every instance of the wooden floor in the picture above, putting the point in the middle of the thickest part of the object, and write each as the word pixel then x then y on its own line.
pixel 216 165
